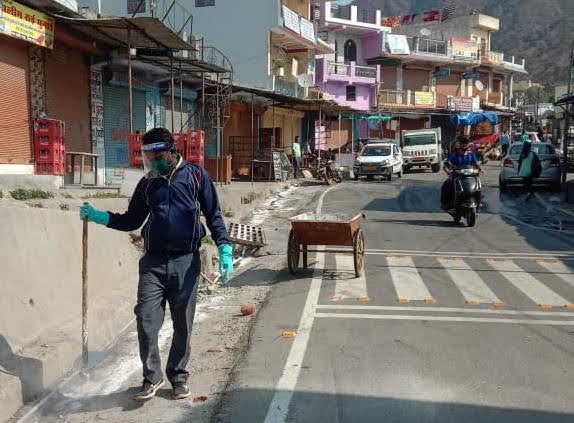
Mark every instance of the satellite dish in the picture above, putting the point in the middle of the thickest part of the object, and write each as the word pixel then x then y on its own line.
pixel 425 32
pixel 305 80
pixel 479 85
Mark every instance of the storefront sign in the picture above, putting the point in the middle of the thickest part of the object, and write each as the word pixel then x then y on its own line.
pixel 460 104
pixel 464 49
pixel 398 44
pixel 423 98
pixel 291 20
pixel 443 73
pixel 22 22
pixel 471 75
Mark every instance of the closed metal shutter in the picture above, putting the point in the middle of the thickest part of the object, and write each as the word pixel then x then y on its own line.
pixel 15 129
pixel 116 128
pixel 68 95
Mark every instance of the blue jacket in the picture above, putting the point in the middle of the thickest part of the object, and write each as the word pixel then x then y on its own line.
pixel 463 160
pixel 174 208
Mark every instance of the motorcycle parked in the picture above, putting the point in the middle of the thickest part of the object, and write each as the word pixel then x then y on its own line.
pixel 328 171
pixel 467 195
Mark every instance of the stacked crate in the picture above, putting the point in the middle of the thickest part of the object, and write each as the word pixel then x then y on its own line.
pixel 195 148
pixel 49 147
pixel 135 149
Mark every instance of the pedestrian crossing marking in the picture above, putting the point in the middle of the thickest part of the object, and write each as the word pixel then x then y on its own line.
pixel 528 284
pixel 347 286
pixel 559 269
pixel 474 290
pixel 407 280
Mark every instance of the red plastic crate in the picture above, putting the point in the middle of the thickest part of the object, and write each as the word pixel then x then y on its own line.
pixel 50 169
pixel 55 154
pixel 135 150
pixel 54 129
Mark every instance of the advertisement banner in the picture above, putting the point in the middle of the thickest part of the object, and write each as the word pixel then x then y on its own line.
pixel 398 44
pixel 464 49
pixel 423 98
pixel 460 104
pixel 19 21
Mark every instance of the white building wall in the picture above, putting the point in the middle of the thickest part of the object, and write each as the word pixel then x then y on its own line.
pixel 340 39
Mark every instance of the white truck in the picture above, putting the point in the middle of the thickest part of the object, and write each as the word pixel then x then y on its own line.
pixel 422 148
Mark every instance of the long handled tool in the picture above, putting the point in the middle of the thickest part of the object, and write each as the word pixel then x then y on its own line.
pixel 85 294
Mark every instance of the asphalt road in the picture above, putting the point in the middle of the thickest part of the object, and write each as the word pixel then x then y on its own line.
pixel 449 323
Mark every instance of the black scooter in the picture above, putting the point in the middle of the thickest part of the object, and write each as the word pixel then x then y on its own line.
pixel 467 195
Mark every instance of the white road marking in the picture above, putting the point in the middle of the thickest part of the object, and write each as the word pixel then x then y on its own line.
pixel 528 284
pixel 347 285
pixel 446 319
pixel 560 270
pixel 468 282
pixel 407 280
pixel 517 256
pixel 279 407
pixel 445 310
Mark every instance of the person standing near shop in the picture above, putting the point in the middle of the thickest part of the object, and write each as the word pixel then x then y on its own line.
pixel 296 156
pixel 171 196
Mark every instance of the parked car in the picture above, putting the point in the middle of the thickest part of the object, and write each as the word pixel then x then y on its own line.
pixel 551 169
pixel 380 159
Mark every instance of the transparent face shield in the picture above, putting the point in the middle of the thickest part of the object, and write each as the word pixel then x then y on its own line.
pixel 155 159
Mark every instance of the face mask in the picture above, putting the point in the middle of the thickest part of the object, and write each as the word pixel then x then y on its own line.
pixel 161 166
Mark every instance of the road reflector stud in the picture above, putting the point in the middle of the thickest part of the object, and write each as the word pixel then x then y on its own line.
pixel 402 300
pixel 338 298
pixel 288 334
pixel 364 299
pixel 498 304
pixel 430 301
pixel 569 306
pixel 545 306
pixel 472 302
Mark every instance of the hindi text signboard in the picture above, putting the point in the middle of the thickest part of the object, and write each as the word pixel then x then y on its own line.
pixel 19 21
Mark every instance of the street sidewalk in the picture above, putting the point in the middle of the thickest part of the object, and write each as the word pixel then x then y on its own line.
pixel 238 201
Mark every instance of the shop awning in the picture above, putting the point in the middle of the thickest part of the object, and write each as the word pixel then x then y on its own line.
pixel 145 32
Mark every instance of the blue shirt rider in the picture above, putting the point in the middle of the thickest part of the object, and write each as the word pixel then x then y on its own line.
pixel 461 157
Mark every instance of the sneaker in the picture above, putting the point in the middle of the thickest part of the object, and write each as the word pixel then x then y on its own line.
pixel 180 390
pixel 148 390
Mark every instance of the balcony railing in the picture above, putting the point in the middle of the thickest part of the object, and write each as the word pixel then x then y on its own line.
pixel 341 69
pixel 341 12
pixel 367 16
pixel 366 71
pixel 288 88
pixel 491 57
pixel 421 45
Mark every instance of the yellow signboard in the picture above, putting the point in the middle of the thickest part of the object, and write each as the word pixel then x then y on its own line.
pixel 19 21
pixel 423 98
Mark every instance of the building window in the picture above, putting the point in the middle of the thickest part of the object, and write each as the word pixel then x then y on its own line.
pixel 350 51
pixel 351 93
pixel 204 3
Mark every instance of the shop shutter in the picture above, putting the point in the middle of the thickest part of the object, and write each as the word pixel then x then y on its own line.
pixel 116 128
pixel 68 95
pixel 15 130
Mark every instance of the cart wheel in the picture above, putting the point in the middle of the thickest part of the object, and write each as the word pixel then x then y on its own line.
pixel 293 252
pixel 305 260
pixel 359 252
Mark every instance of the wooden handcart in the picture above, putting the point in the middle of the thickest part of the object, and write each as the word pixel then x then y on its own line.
pixel 330 230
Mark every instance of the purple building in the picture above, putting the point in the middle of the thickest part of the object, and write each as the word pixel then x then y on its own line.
pixel 344 75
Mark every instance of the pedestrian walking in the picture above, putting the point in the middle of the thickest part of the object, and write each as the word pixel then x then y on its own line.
pixel 173 193
pixel 529 167
pixel 296 157
pixel 504 143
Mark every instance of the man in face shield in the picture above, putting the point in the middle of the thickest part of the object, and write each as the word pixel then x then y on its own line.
pixel 170 196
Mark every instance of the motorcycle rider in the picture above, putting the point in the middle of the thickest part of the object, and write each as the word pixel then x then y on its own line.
pixel 461 157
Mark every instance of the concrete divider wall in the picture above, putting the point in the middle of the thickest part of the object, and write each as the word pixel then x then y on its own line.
pixel 40 300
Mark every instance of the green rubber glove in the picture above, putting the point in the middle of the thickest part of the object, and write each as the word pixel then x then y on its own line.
pixel 225 262
pixel 88 212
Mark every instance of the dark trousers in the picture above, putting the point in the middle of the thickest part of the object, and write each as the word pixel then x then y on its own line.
pixel 528 185
pixel 173 279
pixel 296 166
